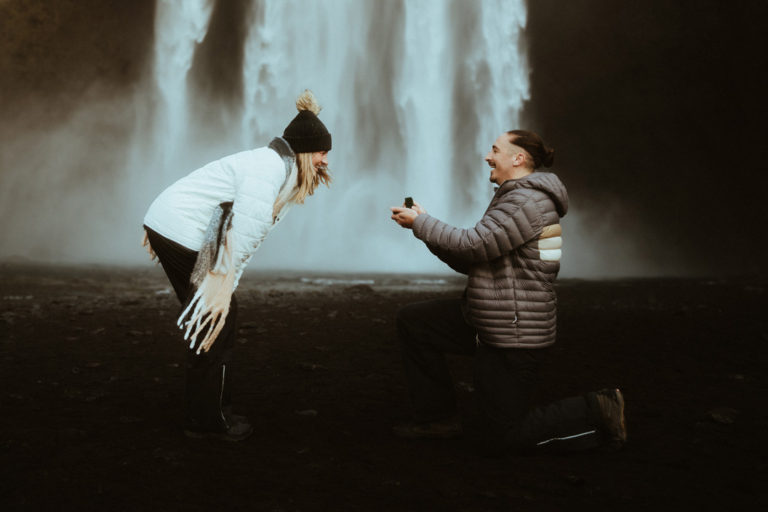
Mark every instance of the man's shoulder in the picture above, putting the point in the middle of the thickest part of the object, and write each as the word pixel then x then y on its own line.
pixel 517 195
pixel 530 202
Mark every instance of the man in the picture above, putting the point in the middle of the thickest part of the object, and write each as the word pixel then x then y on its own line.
pixel 506 318
pixel 205 228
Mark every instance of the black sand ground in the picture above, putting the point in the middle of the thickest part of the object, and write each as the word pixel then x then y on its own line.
pixel 91 387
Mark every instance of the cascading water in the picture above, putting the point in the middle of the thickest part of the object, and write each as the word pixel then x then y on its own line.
pixel 179 26
pixel 414 92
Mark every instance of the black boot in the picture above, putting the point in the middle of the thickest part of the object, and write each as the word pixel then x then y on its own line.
pixel 226 398
pixel 204 415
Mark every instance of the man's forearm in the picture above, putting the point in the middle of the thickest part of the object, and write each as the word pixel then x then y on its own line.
pixel 459 266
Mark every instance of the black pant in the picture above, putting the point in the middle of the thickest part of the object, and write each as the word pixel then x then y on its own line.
pixel 504 378
pixel 208 375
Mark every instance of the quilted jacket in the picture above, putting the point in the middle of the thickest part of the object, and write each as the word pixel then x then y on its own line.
pixel 511 257
pixel 252 180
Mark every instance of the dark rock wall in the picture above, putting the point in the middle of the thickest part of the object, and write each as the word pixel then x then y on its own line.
pixel 656 109
pixel 57 51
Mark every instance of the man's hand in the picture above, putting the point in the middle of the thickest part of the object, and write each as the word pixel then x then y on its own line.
pixel 418 208
pixel 405 216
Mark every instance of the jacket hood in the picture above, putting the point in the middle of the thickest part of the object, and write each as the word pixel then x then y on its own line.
pixel 546 182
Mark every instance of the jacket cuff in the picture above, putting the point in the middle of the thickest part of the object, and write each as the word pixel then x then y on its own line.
pixel 419 224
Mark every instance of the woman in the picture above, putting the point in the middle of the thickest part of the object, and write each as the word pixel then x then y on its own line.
pixel 205 228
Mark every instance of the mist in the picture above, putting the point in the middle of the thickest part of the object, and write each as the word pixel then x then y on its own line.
pixel 413 92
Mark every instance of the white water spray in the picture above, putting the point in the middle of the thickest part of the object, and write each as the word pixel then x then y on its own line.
pixel 180 26
pixel 414 92
pixel 386 74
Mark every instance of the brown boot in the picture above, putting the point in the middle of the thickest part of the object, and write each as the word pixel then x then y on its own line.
pixel 611 404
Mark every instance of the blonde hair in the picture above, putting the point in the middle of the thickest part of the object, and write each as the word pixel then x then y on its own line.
pixel 305 176
pixel 307 101
pixel 310 177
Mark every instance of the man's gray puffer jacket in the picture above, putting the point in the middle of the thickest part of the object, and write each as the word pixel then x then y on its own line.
pixel 512 257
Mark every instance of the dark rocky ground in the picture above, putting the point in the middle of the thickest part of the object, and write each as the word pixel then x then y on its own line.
pixel 91 387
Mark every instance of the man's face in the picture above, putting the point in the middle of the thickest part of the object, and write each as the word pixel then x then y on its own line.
pixel 320 159
pixel 503 158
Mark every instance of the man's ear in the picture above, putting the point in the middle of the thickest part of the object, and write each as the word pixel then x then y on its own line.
pixel 519 158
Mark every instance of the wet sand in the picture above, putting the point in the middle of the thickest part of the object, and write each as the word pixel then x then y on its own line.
pixel 91 385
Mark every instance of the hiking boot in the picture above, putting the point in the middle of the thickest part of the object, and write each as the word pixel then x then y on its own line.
pixel 234 431
pixel 443 429
pixel 233 418
pixel 611 406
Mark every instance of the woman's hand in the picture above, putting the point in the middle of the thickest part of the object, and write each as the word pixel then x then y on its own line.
pixel 207 311
pixel 145 243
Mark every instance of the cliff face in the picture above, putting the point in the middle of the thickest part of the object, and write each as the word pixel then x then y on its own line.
pixel 56 51
pixel 655 110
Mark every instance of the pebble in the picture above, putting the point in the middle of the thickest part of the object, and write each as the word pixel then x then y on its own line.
pixel 465 386
pixel 130 419
pixel 312 366
pixel 574 479
pixel 168 456
pixel 360 289
pixel 95 396
pixel 723 415
pixel 75 433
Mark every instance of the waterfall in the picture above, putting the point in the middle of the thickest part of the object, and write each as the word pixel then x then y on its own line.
pixel 414 93
pixel 179 26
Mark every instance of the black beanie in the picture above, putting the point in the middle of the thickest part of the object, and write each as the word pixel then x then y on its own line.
pixel 307 133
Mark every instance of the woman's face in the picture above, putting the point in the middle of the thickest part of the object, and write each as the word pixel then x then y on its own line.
pixel 320 159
